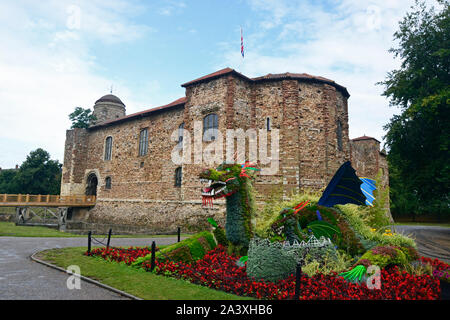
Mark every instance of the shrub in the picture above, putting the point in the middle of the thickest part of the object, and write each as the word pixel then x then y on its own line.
pixel 419 268
pixel 337 262
pixel 266 217
pixel 354 216
pixel 187 251
pixel 269 261
pixel 221 238
pixel 378 215
pixel 272 261
pixel 383 256
pixel 198 245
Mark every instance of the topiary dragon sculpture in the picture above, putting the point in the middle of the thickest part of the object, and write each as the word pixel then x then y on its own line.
pixel 294 224
pixel 233 182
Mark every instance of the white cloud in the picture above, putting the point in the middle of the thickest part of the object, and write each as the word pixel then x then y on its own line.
pixel 347 43
pixel 47 69
pixel 171 7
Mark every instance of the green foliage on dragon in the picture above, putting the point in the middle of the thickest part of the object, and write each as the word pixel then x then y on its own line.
pixel 233 181
pixel 299 222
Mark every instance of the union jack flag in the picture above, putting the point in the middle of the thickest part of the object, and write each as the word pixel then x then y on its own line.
pixel 242 44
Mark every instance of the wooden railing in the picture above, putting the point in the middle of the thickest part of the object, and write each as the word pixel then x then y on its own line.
pixel 49 200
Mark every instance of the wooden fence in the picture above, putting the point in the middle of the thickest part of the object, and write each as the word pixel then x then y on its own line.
pixel 49 200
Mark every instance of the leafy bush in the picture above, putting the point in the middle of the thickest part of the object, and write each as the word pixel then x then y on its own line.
pixel 383 256
pixel 338 262
pixel 221 238
pixel 188 250
pixel 267 216
pixel 269 261
pixel 354 216
pixel 378 216
pixel 272 261
pixel 419 268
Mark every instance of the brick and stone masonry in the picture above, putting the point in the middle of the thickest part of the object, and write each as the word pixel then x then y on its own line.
pixel 310 113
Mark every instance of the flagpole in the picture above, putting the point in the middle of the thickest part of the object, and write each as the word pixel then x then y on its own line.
pixel 242 51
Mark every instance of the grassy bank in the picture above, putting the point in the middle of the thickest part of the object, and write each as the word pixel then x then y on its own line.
pixel 137 282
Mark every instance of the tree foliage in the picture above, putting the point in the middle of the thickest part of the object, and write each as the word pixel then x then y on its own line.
pixel 418 138
pixel 81 118
pixel 38 174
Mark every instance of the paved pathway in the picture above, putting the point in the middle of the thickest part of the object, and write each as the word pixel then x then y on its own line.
pixel 22 278
pixel 433 242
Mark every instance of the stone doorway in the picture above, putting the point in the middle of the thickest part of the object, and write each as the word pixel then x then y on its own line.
pixel 91 185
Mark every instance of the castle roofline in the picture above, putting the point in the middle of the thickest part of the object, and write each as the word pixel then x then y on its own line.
pixel 177 103
pixel 269 77
pixel 215 75
pixel 110 98
pixel 365 138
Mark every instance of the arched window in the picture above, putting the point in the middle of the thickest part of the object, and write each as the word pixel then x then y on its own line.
pixel 143 142
pixel 268 124
pixel 108 148
pixel 339 135
pixel 108 183
pixel 180 135
pixel 210 127
pixel 178 176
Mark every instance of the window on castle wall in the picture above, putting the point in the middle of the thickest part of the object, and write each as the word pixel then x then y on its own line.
pixel 210 127
pixel 108 183
pixel 143 142
pixel 339 135
pixel 180 135
pixel 268 124
pixel 178 176
pixel 108 148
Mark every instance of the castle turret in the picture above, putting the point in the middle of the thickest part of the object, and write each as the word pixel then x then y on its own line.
pixel 108 107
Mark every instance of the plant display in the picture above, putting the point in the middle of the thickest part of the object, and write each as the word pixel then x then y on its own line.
pixel 233 181
pixel 256 253
pixel 440 270
pixel 218 232
pixel 188 250
pixel 218 270
pixel 327 263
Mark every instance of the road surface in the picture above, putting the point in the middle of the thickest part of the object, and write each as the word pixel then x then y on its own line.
pixel 22 278
pixel 433 242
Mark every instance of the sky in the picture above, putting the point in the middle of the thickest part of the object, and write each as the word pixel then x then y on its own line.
pixel 56 55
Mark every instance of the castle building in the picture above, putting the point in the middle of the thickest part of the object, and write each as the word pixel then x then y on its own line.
pixel 127 161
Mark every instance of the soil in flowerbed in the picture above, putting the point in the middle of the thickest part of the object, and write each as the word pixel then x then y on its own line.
pixel 218 270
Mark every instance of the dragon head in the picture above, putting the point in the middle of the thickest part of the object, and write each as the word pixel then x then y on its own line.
pixel 224 181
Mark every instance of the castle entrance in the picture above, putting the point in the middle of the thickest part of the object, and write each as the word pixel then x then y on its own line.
pixel 91 185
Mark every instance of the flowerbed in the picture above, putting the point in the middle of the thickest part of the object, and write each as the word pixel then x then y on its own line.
pixel 441 270
pixel 218 270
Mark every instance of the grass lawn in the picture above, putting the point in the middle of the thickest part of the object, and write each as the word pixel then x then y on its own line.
pixel 137 282
pixel 10 229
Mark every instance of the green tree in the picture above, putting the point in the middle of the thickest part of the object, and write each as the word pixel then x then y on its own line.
pixel 6 180
pixel 37 175
pixel 81 118
pixel 418 139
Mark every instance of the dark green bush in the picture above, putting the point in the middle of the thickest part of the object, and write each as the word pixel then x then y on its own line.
pixel 383 256
pixel 188 250
pixel 219 234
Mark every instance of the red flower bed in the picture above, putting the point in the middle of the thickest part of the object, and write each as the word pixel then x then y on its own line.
pixel 441 269
pixel 218 270
pixel 120 255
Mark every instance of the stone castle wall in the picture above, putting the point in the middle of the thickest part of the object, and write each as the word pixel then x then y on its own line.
pixel 143 190
pixel 367 159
